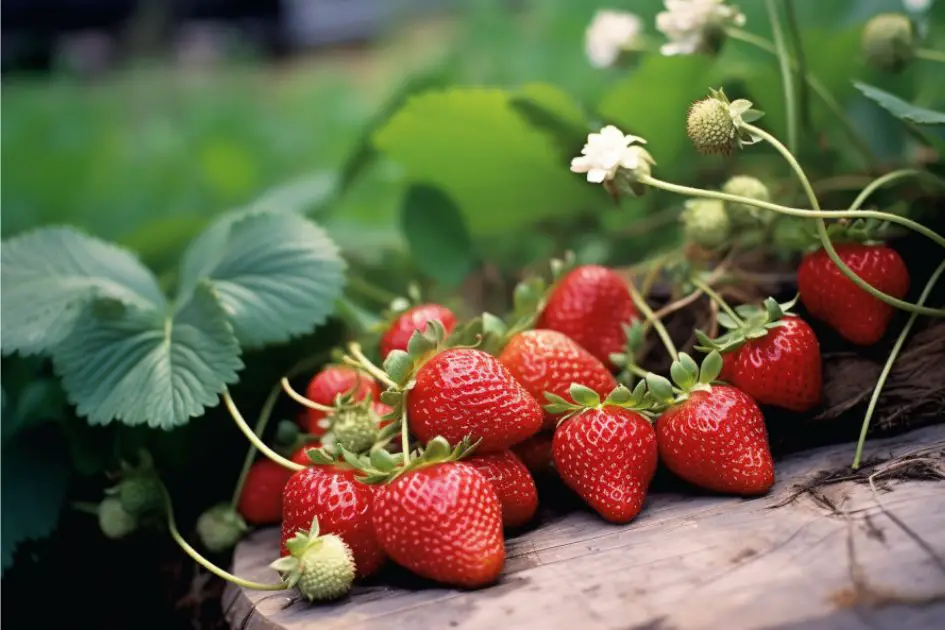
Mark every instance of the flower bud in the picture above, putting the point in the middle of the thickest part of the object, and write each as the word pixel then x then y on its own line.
pixel 706 223
pixel 888 42
pixel 743 215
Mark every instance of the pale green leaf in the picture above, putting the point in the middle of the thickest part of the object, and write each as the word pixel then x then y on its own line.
pixel 900 108
pixel 50 274
pixel 472 144
pixel 277 274
pixel 436 233
pixel 143 367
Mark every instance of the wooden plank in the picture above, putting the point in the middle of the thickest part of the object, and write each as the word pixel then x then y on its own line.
pixel 689 561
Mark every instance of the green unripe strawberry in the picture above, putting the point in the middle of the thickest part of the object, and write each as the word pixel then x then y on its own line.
pixel 322 567
pixel 710 127
pixel 141 494
pixel 888 42
pixel 220 528
pixel 743 215
pixel 114 521
pixel 355 429
pixel 706 223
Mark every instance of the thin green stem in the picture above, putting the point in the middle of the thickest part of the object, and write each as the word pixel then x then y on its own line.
pixel 199 559
pixel 822 93
pixel 892 176
pixel 657 324
pixel 302 400
pixel 371 291
pixel 796 212
pixel 254 439
pixel 930 55
pixel 794 33
pixel 825 237
pixel 708 290
pixel 787 79
pixel 900 341
pixel 405 431
pixel 86 507
pixel 364 363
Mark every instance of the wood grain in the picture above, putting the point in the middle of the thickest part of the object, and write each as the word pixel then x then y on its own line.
pixel 831 558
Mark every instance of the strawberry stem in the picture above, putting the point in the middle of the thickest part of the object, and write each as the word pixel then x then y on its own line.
pixel 368 290
pixel 825 238
pixel 900 341
pixel 656 323
pixel 718 299
pixel 302 400
pixel 890 177
pixel 199 559
pixel 405 432
pixel 254 439
pixel 361 361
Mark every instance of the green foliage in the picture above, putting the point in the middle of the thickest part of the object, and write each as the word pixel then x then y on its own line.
pixel 436 233
pixel 502 180
pixel 900 108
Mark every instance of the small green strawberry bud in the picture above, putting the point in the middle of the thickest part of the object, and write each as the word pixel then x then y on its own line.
pixel 743 215
pixel 114 521
pixel 710 127
pixel 706 223
pixel 141 494
pixel 355 429
pixel 220 528
pixel 888 42
pixel 322 567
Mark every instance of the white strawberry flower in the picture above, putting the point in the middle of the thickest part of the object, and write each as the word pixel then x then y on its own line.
pixel 609 34
pixel 695 25
pixel 607 152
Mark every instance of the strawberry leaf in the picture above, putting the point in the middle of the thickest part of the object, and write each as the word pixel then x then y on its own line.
pixel 48 276
pixel 277 274
pixel 146 367
pixel 436 233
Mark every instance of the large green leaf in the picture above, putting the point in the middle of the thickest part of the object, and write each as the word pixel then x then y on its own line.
pixel 35 477
pixel 49 275
pixel 277 274
pixel 472 144
pixel 553 111
pixel 436 233
pixel 141 366
pixel 900 108
pixel 652 103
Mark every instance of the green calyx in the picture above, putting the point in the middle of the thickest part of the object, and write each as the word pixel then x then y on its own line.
pixel 321 567
pixel 864 231
pixel 381 466
pixel 688 377
pixel 584 398
pixel 754 323
pixel 220 528
pixel 114 521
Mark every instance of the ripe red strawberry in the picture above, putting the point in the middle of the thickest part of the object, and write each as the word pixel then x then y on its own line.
pixel 728 367
pixel 330 383
pixel 343 505
pixel 782 368
pixel 416 318
pixel 300 456
pixel 608 456
pixel 513 484
pixel 717 440
pixel 442 522
pixel 590 304
pixel 466 392
pixel 261 498
pixel 535 452
pixel 832 297
pixel 549 361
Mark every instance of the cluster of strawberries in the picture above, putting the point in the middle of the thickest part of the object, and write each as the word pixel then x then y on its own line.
pixel 440 510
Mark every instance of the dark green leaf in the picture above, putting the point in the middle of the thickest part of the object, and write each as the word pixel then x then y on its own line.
pixel 49 275
pixel 436 233
pixel 900 108
pixel 553 111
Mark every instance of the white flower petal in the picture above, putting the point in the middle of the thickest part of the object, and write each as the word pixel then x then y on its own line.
pixel 596 176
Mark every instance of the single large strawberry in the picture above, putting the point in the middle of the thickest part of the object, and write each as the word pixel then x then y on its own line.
pixel 416 318
pixel 444 522
pixel 343 505
pixel 513 484
pixel 590 304
pixel 782 368
pixel 832 297
pixel 463 392
pixel 260 501
pixel 607 454
pixel 716 439
pixel 549 361
pixel 330 383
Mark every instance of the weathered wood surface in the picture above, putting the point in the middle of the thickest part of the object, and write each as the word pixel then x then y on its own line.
pixel 831 558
